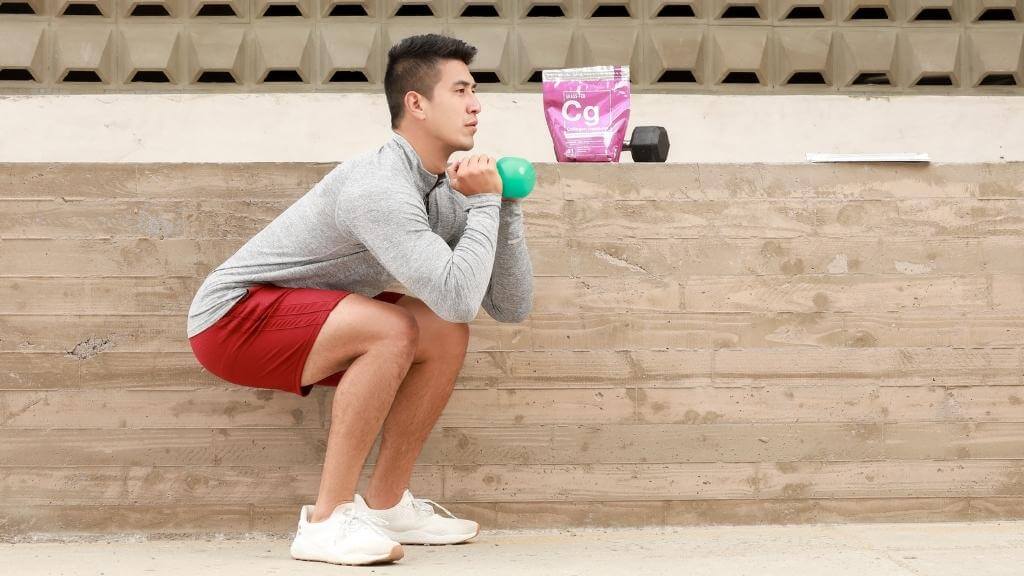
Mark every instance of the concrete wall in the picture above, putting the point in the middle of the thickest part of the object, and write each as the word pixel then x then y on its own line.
pixel 710 344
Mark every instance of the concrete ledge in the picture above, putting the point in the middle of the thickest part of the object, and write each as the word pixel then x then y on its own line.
pixel 332 127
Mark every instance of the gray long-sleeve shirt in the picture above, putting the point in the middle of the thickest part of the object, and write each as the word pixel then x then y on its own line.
pixel 377 218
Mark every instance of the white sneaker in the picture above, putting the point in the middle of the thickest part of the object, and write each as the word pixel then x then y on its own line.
pixel 413 521
pixel 348 536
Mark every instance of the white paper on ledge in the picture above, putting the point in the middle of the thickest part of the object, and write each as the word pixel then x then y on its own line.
pixel 894 157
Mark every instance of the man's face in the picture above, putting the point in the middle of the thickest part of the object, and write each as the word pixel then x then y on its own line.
pixel 452 112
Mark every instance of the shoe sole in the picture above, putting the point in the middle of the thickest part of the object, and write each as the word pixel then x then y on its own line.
pixel 394 555
pixel 416 538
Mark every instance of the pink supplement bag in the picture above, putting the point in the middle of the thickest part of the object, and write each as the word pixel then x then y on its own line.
pixel 587 110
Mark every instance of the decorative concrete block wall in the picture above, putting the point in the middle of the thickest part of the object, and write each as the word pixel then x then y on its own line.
pixel 709 344
pixel 686 46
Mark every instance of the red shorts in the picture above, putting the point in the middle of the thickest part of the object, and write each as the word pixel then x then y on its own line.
pixel 263 341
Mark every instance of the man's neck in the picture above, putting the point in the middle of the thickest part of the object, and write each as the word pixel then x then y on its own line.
pixel 433 154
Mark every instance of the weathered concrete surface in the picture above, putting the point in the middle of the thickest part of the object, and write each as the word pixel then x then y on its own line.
pixel 710 344
pixel 937 549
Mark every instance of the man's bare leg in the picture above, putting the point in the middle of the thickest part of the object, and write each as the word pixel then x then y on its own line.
pixel 375 342
pixel 418 404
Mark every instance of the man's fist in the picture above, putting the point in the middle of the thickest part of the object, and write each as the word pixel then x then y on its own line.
pixel 475 175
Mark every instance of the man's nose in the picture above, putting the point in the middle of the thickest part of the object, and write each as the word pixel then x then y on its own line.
pixel 474 105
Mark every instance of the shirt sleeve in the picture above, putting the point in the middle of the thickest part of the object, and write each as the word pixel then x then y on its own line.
pixel 509 296
pixel 391 221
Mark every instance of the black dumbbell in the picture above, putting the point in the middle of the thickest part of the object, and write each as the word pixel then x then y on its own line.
pixel 648 144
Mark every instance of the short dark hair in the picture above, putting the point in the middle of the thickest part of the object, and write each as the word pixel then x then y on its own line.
pixel 413 64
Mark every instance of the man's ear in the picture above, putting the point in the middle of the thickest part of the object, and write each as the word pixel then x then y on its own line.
pixel 414 104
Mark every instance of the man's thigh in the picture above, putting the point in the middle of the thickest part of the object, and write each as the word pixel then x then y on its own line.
pixel 341 341
pixel 355 324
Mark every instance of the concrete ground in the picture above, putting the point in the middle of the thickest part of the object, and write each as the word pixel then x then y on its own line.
pixel 933 549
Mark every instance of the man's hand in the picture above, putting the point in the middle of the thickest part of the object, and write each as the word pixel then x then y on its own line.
pixel 475 175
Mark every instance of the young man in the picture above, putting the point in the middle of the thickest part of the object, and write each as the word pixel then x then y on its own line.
pixel 300 304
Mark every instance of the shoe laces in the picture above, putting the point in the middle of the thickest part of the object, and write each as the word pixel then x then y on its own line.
pixel 425 507
pixel 353 519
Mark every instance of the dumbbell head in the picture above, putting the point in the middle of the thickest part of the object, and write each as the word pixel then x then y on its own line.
pixel 517 176
pixel 648 144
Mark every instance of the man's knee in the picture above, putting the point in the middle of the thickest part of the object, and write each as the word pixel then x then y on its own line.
pixel 457 332
pixel 454 335
pixel 439 338
pixel 398 330
pixel 449 343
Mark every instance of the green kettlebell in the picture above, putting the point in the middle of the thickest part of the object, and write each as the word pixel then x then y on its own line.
pixel 517 176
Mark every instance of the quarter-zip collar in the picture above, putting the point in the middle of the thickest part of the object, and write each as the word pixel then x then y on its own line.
pixel 424 179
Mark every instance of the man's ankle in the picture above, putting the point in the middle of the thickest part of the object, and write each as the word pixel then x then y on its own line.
pixel 375 503
pixel 321 513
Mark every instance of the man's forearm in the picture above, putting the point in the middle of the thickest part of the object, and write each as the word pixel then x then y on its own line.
pixel 509 296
